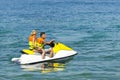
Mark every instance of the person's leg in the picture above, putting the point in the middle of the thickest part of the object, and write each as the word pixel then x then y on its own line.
pixel 51 53
pixel 43 54
pixel 47 50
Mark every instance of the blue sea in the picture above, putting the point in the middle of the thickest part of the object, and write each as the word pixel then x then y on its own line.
pixel 91 27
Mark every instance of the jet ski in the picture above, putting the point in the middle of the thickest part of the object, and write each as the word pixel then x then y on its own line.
pixel 30 57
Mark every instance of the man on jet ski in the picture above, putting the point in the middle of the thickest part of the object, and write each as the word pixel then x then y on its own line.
pixel 55 47
pixel 40 43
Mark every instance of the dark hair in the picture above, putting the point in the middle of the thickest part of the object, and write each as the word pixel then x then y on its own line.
pixel 42 33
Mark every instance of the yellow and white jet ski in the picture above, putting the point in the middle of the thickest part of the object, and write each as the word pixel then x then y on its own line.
pixel 29 57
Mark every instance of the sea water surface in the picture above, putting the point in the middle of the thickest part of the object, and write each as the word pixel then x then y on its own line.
pixel 91 27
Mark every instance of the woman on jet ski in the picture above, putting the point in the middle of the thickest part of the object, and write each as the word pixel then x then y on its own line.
pixel 32 40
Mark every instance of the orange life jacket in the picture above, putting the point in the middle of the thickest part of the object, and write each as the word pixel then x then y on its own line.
pixel 31 42
pixel 40 42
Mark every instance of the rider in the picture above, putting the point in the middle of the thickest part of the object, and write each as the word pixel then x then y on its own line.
pixel 40 43
pixel 32 40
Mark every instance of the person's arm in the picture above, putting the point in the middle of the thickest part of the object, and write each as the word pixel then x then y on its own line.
pixel 33 42
pixel 47 43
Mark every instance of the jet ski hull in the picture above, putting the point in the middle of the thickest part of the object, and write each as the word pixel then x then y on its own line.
pixel 61 56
